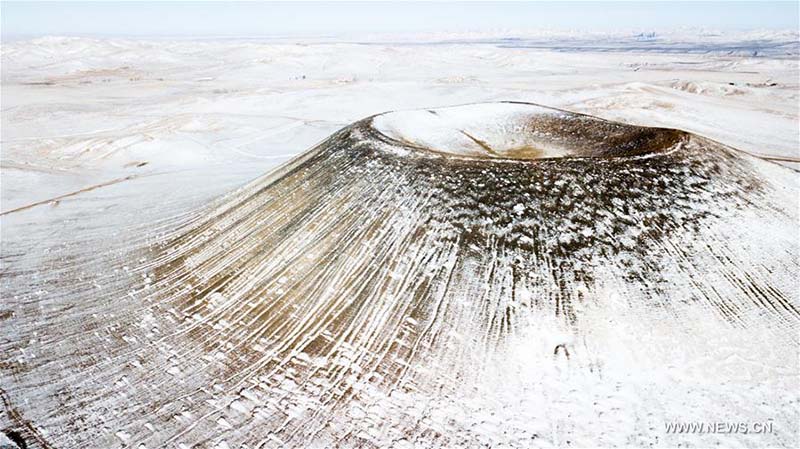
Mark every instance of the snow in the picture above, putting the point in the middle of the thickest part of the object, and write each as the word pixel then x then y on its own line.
pixel 178 123
pixel 495 130
pixel 79 102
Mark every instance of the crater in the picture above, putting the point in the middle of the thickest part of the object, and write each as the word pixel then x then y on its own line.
pixel 523 131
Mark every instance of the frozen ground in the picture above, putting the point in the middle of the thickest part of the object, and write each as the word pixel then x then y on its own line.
pixel 107 142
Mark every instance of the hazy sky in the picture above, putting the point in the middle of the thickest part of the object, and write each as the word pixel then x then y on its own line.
pixel 325 18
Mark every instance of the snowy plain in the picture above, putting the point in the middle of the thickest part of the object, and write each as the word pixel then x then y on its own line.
pixel 105 137
pixel 88 110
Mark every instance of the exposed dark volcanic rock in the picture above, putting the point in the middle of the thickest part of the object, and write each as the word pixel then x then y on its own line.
pixel 438 278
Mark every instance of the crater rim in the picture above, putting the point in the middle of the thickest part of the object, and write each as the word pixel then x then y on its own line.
pixel 519 131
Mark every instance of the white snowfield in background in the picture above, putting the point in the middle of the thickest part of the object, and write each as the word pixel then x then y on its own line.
pixel 77 103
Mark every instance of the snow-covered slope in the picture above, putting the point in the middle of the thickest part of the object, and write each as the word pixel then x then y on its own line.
pixel 405 284
pixel 380 293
